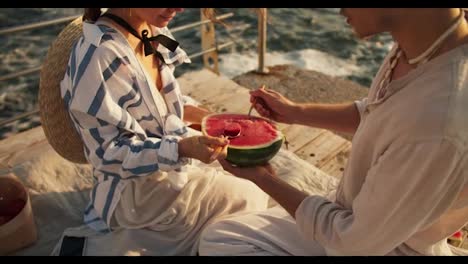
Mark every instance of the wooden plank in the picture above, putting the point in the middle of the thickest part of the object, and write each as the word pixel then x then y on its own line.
pixel 188 79
pixel 33 151
pixel 299 135
pixel 323 151
pixel 318 147
pixel 21 140
pixel 335 162
pixel 14 147
pixel 219 94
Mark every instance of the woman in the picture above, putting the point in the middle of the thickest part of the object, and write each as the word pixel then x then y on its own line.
pixel 405 188
pixel 126 104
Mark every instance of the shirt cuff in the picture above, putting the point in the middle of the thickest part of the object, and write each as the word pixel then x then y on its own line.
pixel 168 156
pixel 306 214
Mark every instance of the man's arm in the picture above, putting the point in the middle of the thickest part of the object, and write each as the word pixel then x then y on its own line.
pixel 337 117
pixel 409 188
pixel 264 177
pixel 404 192
pixel 286 195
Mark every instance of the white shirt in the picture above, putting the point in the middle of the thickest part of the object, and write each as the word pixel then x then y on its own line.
pixel 128 128
pixel 405 187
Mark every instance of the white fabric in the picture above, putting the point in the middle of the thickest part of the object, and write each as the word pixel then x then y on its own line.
pixel 136 241
pixel 361 106
pixel 153 219
pixel 272 232
pixel 178 217
pixel 269 233
pixel 405 188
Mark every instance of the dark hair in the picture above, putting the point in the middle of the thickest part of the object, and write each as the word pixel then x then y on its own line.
pixel 91 14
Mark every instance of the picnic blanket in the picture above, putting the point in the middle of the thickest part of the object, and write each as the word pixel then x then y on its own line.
pixel 59 192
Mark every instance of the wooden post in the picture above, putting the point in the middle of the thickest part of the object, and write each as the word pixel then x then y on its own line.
pixel 208 41
pixel 262 37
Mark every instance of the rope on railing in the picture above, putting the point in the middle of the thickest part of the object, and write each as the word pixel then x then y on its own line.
pixel 191 25
pixel 42 24
pixel 71 18
pixel 17 117
pixel 37 25
pixel 20 73
pixel 222 46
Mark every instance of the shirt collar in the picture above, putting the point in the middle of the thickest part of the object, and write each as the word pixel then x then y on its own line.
pixel 177 57
pixel 94 34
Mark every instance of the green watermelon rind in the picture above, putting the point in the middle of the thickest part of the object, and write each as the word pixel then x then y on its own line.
pixel 253 157
pixel 250 155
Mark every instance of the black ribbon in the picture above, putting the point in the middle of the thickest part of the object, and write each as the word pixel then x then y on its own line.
pixel 148 46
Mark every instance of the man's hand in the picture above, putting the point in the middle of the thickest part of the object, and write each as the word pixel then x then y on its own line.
pixel 265 177
pixel 248 173
pixel 273 105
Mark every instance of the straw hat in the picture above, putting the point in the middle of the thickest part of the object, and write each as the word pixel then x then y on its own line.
pixel 56 122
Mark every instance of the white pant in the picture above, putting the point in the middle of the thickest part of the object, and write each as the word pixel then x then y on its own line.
pixel 269 233
pixel 275 222
pixel 273 231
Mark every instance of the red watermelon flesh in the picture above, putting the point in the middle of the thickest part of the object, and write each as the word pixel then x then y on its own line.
pixel 10 209
pixel 4 220
pixel 257 143
pixel 232 130
pixel 253 131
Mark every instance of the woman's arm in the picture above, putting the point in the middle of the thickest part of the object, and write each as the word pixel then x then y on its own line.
pixel 194 114
pixel 115 143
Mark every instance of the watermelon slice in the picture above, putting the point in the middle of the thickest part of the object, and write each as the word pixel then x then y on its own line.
pixel 253 140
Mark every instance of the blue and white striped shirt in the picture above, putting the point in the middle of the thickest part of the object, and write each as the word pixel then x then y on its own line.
pixel 128 128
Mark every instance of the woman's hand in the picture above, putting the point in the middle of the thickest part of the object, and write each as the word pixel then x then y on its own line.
pixel 273 105
pixel 204 148
pixel 248 173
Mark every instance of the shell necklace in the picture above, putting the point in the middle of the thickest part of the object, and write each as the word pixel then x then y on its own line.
pixel 419 60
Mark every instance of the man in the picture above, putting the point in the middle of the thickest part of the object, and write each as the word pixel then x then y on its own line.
pixel 405 187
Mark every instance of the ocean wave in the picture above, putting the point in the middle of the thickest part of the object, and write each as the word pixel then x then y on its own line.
pixel 234 64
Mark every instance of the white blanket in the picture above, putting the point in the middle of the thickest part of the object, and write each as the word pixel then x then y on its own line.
pixel 59 194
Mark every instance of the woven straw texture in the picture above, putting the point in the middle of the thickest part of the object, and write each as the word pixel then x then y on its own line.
pixel 56 122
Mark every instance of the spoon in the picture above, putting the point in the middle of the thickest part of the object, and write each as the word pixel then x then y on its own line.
pixel 231 130
pixel 254 102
